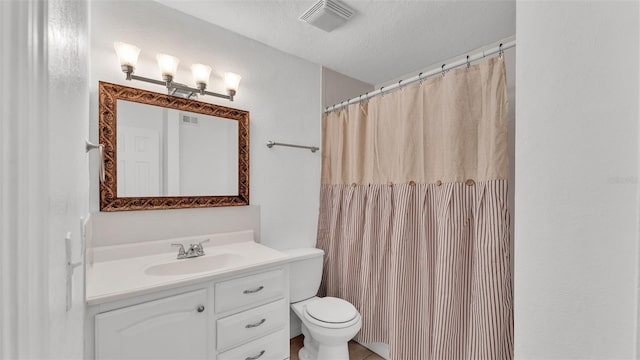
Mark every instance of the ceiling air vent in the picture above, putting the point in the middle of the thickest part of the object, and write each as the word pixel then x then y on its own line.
pixel 327 14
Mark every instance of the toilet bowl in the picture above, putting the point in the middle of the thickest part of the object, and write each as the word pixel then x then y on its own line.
pixel 327 323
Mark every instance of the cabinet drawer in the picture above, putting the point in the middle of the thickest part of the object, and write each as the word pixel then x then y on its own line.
pixel 270 347
pixel 249 290
pixel 236 329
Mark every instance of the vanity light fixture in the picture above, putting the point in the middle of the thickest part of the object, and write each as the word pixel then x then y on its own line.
pixel 201 74
pixel 128 56
pixel 232 81
pixel 168 66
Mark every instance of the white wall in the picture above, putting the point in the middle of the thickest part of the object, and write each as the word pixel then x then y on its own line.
pixel 139 115
pixel 213 142
pixel 282 92
pixel 576 233
pixel 337 87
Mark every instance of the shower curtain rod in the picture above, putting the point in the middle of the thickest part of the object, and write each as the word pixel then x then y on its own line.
pixel 423 75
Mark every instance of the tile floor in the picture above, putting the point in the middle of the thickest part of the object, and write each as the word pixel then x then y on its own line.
pixel 356 351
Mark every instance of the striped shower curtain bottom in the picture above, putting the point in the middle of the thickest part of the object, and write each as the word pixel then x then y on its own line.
pixel 427 265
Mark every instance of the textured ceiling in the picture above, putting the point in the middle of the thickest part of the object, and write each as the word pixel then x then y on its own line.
pixel 383 40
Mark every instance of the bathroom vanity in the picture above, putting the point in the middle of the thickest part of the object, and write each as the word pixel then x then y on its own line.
pixel 231 303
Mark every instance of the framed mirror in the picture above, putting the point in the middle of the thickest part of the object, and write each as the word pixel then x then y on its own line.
pixel 168 152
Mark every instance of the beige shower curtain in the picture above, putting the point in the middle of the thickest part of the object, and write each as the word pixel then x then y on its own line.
pixel 414 218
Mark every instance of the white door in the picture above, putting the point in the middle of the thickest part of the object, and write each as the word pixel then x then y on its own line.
pixel 138 162
pixel 169 328
pixel 44 176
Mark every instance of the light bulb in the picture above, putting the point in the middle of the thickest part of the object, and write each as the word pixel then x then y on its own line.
pixel 232 81
pixel 168 65
pixel 201 73
pixel 127 53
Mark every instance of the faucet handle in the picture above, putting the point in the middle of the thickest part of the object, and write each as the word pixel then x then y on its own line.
pixel 181 253
pixel 200 248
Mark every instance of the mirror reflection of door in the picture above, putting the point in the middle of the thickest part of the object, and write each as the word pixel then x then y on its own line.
pixel 138 162
pixel 139 151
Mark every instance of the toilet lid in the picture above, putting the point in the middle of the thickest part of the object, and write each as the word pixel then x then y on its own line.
pixel 332 310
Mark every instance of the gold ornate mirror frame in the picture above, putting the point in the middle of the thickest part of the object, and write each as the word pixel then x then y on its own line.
pixel 109 201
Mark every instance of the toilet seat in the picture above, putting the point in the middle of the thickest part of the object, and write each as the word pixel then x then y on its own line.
pixel 331 313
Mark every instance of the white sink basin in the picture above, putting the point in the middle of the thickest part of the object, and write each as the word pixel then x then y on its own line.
pixel 193 265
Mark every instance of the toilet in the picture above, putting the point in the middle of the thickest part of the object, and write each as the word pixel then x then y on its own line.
pixel 327 323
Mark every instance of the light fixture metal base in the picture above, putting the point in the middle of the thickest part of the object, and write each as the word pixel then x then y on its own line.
pixel 174 88
pixel 128 70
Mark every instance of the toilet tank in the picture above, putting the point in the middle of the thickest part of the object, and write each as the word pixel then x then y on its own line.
pixel 305 272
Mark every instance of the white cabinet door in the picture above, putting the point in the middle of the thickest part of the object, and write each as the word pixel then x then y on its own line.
pixel 175 327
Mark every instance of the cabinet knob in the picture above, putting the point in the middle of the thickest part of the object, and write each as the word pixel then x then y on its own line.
pixel 201 308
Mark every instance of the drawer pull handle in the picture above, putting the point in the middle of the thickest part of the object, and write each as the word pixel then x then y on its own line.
pixel 201 308
pixel 253 291
pixel 255 357
pixel 249 326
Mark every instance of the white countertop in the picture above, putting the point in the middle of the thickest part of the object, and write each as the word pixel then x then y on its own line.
pixel 117 279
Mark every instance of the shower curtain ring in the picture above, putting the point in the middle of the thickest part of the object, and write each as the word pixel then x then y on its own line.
pixel 500 51
pixel 382 91
pixel 420 78
pixel 468 63
pixel 443 69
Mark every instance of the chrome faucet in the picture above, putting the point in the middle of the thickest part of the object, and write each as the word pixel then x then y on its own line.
pixel 194 250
